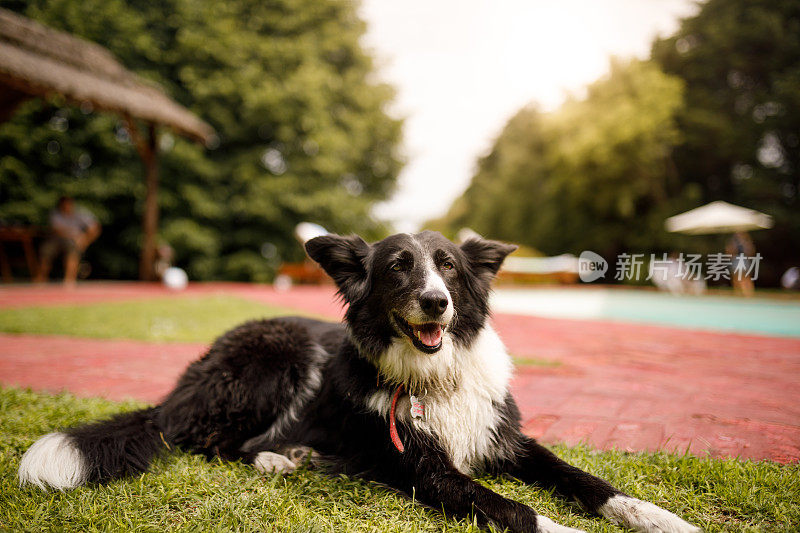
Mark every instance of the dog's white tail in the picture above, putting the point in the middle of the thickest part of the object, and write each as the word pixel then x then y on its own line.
pixel 55 461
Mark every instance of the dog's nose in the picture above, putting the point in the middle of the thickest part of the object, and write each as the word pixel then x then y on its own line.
pixel 434 303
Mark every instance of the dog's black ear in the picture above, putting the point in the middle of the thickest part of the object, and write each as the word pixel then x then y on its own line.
pixel 486 256
pixel 343 259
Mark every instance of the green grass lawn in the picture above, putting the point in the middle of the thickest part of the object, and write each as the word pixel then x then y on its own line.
pixel 185 319
pixel 193 319
pixel 185 492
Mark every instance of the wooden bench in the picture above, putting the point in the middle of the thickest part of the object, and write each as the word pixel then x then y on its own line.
pixel 23 235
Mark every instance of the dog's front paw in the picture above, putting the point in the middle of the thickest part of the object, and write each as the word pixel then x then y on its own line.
pixel 273 463
pixel 644 517
pixel 300 455
pixel 545 525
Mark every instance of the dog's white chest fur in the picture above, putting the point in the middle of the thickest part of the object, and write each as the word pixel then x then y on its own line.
pixel 462 413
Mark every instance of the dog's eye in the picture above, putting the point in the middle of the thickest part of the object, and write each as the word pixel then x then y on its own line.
pixel 397 267
pixel 447 265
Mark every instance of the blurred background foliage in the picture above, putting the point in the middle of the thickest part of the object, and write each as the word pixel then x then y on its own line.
pixel 714 114
pixel 576 179
pixel 303 132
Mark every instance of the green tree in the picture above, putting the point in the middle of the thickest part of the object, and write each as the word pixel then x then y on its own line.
pixel 302 131
pixel 499 200
pixel 595 174
pixel 740 61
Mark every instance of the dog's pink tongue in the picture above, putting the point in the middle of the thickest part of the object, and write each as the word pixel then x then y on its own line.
pixel 431 336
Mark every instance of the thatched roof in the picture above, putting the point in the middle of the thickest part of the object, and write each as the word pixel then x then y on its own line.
pixel 36 60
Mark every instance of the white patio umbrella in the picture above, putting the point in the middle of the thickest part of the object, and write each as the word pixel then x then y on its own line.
pixel 718 217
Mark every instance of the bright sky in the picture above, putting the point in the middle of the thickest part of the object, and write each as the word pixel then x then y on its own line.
pixel 462 68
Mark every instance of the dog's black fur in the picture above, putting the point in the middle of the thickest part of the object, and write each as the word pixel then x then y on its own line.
pixel 271 384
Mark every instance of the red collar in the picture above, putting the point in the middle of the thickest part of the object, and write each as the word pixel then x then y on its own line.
pixel 392 424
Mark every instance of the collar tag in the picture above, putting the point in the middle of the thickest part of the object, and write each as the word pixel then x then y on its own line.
pixel 417 408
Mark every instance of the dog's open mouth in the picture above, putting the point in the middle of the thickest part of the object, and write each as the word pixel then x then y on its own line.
pixel 425 337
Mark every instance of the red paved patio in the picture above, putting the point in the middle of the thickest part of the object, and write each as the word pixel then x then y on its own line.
pixel 612 385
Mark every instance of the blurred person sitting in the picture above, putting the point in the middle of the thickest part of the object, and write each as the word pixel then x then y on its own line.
pixel 73 230
pixel 742 251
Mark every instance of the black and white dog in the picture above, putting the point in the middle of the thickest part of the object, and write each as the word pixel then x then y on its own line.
pixel 412 392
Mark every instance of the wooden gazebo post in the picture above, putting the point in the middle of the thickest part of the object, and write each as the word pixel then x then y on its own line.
pixel 148 151
pixel 38 61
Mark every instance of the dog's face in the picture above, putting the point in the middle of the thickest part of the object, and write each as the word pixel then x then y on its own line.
pixel 422 288
pixel 414 280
